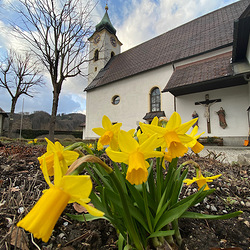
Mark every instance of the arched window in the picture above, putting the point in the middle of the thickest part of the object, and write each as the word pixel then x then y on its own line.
pixel 155 100
pixel 96 55
pixel 112 54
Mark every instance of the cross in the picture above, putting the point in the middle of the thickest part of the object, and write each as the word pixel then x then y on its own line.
pixel 207 103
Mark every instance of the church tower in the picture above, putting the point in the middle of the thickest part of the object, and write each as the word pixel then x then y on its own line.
pixel 104 44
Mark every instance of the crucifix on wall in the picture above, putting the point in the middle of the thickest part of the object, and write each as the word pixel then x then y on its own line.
pixel 207 103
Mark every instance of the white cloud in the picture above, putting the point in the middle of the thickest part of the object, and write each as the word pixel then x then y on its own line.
pixel 147 18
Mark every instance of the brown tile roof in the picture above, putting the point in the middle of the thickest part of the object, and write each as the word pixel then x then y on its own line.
pixel 205 70
pixel 207 33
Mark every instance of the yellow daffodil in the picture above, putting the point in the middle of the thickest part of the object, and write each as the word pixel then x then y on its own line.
pixel 201 180
pixel 33 141
pixel 173 136
pixel 195 145
pixel 42 218
pixel 135 155
pixel 109 134
pixel 66 157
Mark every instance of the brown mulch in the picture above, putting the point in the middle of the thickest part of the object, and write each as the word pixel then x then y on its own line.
pixel 21 185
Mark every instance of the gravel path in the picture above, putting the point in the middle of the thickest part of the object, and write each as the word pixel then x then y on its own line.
pixel 226 154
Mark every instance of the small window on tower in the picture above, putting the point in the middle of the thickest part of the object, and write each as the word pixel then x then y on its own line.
pixel 96 55
pixel 112 54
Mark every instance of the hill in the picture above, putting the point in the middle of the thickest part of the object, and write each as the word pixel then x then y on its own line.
pixel 39 120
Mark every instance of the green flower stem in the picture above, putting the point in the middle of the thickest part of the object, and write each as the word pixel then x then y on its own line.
pixel 129 222
pixel 146 207
pixel 169 238
pixel 159 178
pixel 177 233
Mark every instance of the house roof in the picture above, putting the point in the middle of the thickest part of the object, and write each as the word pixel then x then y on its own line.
pixel 194 77
pixel 241 35
pixel 204 34
pixel 3 113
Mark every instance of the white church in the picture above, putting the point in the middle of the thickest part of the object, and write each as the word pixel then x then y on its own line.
pixel 199 68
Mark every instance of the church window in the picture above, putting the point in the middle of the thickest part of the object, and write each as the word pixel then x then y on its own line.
pixel 155 100
pixel 112 54
pixel 96 55
pixel 115 99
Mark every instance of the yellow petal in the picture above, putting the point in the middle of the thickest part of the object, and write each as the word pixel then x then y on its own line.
pixel 91 210
pixel 59 147
pixel 174 121
pixel 194 131
pixel 214 177
pixel 151 129
pixel 77 186
pixel 70 156
pixel 117 156
pixel 155 121
pixel 99 131
pixel 106 123
pixel 183 128
pixel 58 173
pixel 50 145
pixel 126 142
pixel 150 144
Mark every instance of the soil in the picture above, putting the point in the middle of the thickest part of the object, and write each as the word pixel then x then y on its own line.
pixel 21 185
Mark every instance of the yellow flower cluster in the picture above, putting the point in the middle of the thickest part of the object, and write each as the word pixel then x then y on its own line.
pixel 65 189
pixel 123 147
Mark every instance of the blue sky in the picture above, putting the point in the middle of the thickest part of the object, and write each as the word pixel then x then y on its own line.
pixel 136 21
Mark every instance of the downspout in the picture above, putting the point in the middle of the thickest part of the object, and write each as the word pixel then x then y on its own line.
pixel 174 96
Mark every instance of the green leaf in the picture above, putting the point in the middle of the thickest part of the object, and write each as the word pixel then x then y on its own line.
pixel 120 242
pixel 120 177
pixel 176 212
pixel 161 234
pixel 136 196
pixel 193 215
pixel 85 217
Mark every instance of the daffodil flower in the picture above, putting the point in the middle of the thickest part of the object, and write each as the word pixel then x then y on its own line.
pixel 134 155
pixel 66 157
pixel 33 141
pixel 201 180
pixel 173 136
pixel 42 218
pixel 109 134
pixel 195 145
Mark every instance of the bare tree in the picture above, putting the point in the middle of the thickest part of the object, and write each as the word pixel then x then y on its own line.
pixel 57 31
pixel 18 75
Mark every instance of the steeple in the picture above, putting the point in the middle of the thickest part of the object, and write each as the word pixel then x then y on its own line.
pixel 106 23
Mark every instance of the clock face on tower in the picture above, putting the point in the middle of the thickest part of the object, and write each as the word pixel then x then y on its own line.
pixel 97 39
pixel 113 41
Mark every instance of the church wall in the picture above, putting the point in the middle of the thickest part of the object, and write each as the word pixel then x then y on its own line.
pixel 234 101
pixel 136 89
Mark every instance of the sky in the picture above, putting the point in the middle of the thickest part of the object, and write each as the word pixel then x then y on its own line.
pixel 135 21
